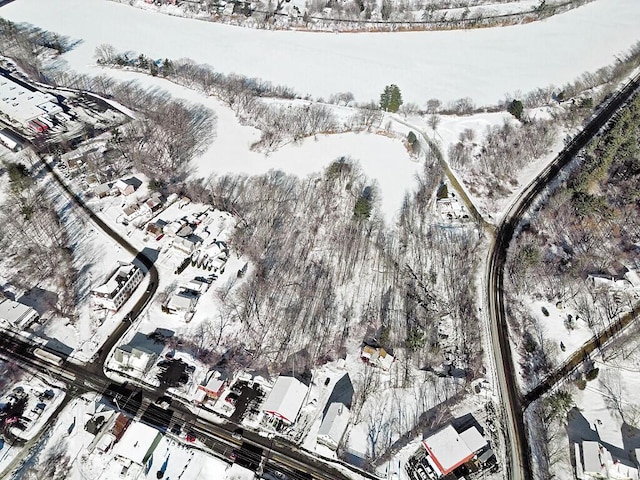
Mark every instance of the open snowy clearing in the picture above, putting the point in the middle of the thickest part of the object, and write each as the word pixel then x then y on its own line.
pixel 382 158
pixel 482 64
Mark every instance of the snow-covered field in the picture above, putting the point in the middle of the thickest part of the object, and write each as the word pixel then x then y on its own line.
pixel 483 64
pixel 382 158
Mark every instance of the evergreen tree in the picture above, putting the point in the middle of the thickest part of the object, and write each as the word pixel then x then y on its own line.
pixel 516 109
pixel 391 99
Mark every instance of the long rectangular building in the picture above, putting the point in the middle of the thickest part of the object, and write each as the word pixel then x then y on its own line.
pixel 24 105
pixel 118 288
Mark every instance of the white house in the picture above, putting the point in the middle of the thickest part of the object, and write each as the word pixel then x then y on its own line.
pixel 123 187
pixel 118 288
pixel 186 245
pixel 333 425
pixel 596 462
pixel 131 212
pixel 285 399
pixel 17 314
pixel 135 449
pixel 182 302
pixel 138 359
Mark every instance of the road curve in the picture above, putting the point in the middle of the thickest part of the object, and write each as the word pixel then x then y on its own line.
pixel 140 256
pixel 519 457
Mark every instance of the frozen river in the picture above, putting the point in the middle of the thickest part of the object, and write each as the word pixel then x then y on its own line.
pixel 483 64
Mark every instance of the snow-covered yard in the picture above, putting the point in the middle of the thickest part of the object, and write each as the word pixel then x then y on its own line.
pixel 483 64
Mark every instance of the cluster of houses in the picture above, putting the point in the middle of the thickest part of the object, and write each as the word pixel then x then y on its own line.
pixel 133 210
pixel 185 298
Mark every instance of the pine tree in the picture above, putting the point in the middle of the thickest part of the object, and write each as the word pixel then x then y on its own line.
pixel 391 99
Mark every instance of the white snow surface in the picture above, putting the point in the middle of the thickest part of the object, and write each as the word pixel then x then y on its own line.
pixel 483 64
pixel 382 158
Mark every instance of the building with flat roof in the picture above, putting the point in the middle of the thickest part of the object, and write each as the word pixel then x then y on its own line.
pixel 24 105
pixel 447 449
pixel 17 314
pixel 119 286
pixel 596 462
pixel 285 399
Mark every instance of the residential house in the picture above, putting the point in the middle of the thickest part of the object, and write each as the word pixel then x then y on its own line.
pixel 136 359
pixel 156 228
pixel 183 301
pixel 377 356
pixel 123 188
pixel 131 212
pixel 102 190
pixel 152 205
pixel 186 245
pixel 215 386
pixel 16 314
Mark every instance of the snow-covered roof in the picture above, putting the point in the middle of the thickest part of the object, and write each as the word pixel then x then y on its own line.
pixel 236 472
pixel 286 398
pixel 23 104
pixel 447 449
pixel 181 301
pixel 138 443
pixel 215 383
pixel 334 423
pixel 473 439
pixel 116 280
pixel 16 313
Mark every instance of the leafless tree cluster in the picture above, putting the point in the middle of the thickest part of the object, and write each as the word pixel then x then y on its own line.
pixel 323 275
pixel 546 421
pixel 55 465
pixel 280 124
pixel 166 135
pixel 10 373
pixel 505 149
pixel 28 45
pixel 36 242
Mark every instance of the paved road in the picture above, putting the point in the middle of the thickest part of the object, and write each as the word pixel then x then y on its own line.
pixel 216 435
pixel 519 460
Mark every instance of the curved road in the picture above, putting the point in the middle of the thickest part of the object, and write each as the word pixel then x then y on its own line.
pixel 519 461
pixel 140 256
pixel 91 377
